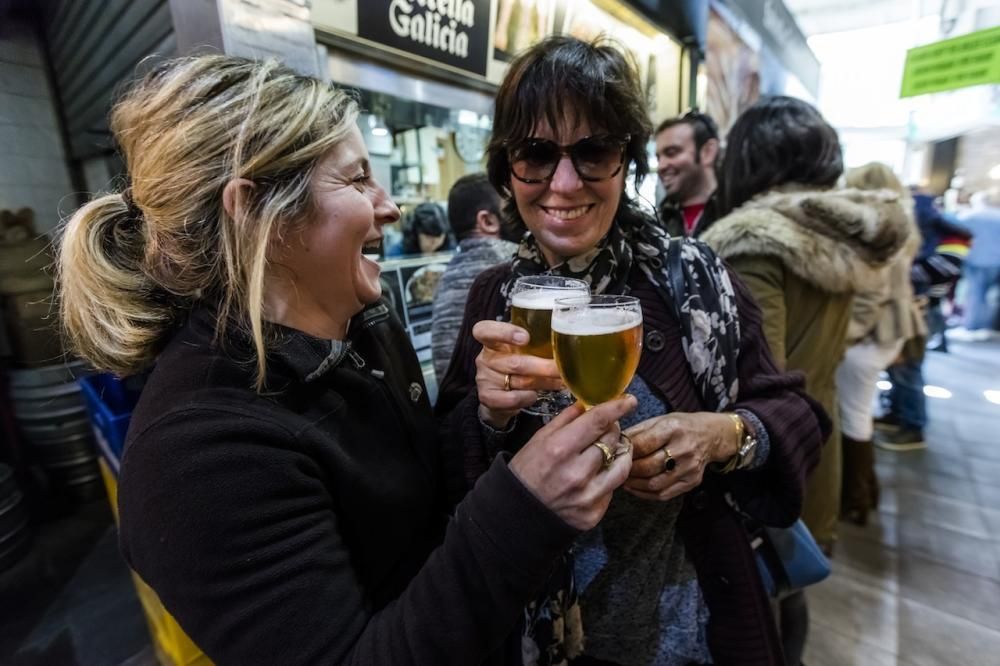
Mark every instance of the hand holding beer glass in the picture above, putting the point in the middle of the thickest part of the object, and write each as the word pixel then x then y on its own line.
pixel 532 300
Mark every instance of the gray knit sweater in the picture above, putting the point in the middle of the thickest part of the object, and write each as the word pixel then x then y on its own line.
pixel 474 256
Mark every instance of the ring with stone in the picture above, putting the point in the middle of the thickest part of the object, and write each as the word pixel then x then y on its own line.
pixel 668 460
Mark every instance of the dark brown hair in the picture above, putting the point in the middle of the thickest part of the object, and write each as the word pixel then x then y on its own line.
pixel 469 195
pixel 776 141
pixel 561 78
pixel 701 124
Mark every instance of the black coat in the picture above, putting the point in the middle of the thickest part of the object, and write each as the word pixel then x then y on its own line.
pixel 308 524
pixel 672 218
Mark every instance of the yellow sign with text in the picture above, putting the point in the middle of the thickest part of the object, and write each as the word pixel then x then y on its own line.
pixel 960 62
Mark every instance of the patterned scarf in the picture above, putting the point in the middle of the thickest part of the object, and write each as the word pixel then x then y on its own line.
pixel 695 286
pixel 691 278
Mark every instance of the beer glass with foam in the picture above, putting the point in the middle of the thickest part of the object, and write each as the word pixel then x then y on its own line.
pixel 596 342
pixel 532 300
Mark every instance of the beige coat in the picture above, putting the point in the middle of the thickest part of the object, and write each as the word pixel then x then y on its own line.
pixel 804 256
pixel 889 312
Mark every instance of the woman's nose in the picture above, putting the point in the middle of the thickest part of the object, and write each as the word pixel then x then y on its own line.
pixel 386 210
pixel 565 178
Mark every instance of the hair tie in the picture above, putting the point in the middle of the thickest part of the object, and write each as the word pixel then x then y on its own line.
pixel 133 210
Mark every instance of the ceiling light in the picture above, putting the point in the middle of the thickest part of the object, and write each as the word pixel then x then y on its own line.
pixel 883 385
pixel 995 172
pixel 993 396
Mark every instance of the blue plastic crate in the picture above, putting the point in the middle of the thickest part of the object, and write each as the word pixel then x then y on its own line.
pixel 109 402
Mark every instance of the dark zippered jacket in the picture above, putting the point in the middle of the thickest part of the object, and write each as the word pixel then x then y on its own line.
pixel 309 523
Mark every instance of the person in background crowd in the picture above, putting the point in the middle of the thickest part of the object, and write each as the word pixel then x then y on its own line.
pixel 425 231
pixel 939 264
pixel 882 319
pixel 981 270
pixel 483 241
pixel 804 250
pixel 686 150
pixel 668 578
pixel 934 274
pixel 283 485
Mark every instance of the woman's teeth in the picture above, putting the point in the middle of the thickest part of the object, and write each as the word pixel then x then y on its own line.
pixel 372 250
pixel 567 213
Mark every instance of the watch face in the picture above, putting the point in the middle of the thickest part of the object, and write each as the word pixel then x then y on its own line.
pixel 470 143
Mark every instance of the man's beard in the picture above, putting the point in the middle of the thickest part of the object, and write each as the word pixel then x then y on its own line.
pixel 689 185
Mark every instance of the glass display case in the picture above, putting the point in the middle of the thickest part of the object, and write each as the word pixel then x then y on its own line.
pixel 409 283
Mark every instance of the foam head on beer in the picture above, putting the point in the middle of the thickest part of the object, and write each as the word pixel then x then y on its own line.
pixel 531 309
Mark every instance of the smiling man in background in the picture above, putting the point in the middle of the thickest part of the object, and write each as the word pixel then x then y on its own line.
pixel 686 149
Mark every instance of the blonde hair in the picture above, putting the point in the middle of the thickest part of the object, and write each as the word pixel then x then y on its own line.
pixel 131 264
pixel 874 176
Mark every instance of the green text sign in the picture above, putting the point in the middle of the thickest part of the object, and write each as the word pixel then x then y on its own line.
pixel 969 60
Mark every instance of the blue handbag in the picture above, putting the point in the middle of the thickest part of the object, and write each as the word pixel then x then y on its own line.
pixel 788 559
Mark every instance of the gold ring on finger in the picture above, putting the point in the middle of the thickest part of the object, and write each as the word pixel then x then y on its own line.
pixel 609 455
pixel 626 447
pixel 669 463
pixel 506 382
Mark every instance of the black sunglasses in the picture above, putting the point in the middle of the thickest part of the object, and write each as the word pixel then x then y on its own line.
pixel 595 158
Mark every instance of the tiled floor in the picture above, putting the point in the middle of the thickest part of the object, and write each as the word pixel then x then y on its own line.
pixel 921 583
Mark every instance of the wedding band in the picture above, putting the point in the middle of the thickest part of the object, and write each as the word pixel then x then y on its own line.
pixel 609 455
pixel 668 460
pixel 506 382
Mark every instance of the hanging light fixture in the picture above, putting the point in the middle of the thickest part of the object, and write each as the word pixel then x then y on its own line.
pixel 377 125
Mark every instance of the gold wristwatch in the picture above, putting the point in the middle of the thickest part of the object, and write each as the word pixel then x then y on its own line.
pixel 748 446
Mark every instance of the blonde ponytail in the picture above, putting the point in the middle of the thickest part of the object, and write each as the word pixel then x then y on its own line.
pixel 129 269
pixel 106 300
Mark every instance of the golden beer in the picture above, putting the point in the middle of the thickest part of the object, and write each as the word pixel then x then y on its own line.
pixel 532 311
pixel 597 351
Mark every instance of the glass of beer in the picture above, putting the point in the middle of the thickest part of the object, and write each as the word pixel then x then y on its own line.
pixel 596 342
pixel 532 300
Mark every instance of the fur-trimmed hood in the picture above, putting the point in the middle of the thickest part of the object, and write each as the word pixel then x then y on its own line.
pixel 835 239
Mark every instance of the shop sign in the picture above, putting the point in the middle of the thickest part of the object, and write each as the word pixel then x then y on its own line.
pixel 960 62
pixel 452 32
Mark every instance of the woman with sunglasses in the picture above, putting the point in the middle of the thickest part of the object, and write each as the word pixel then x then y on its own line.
pixel 668 577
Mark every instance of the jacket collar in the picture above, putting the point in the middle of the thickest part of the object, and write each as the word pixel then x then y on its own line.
pixel 308 358
pixel 311 358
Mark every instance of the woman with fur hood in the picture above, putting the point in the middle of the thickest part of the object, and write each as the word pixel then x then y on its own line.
pixel 804 249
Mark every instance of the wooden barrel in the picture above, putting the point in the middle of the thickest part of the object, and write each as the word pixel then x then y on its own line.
pixel 52 419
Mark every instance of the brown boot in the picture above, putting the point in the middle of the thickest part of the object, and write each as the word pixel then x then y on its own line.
pixel 859 492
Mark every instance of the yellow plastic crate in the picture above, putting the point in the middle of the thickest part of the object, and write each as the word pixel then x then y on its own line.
pixel 173 647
